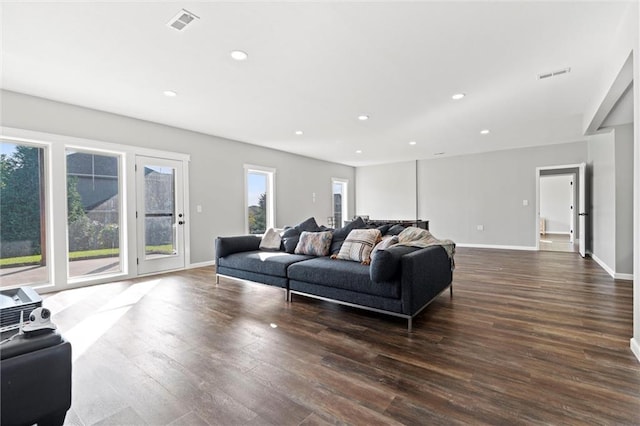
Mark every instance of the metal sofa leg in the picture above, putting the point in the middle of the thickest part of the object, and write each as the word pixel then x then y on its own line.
pixel 451 290
pixel 410 324
pixel 217 279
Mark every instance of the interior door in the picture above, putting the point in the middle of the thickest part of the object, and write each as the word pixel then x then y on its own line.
pixel 582 210
pixel 160 214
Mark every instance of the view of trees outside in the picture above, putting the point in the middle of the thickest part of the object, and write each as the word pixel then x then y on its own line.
pixel 257 202
pixel 21 212
pixel 92 206
pixel 258 216
pixel 92 209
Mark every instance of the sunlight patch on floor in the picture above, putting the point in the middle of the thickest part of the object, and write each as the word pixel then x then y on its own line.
pixel 88 331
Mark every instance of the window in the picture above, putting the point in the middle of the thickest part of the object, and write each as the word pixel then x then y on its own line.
pixel 23 224
pixel 93 213
pixel 339 202
pixel 259 184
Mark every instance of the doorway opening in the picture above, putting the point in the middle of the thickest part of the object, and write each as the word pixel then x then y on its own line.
pixel 561 208
pixel 557 197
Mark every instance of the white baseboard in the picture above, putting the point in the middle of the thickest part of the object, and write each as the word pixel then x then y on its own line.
pixel 496 246
pixel 201 264
pixel 635 348
pixel 615 275
pixel 624 277
pixel 603 265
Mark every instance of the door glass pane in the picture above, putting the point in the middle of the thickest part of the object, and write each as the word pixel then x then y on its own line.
pixel 257 183
pixel 93 213
pixel 23 249
pixel 160 211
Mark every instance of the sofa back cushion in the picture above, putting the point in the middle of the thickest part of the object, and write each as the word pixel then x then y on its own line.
pixel 314 243
pixel 341 234
pixel 291 236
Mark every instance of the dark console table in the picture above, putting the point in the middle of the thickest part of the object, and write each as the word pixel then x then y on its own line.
pixel 423 224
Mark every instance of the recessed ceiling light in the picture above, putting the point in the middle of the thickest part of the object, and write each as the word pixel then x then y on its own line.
pixel 458 96
pixel 299 132
pixel 485 132
pixel 170 93
pixel 239 55
pixel 363 117
pixel 359 151
pixel 412 142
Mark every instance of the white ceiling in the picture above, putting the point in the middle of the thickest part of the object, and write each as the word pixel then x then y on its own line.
pixel 316 66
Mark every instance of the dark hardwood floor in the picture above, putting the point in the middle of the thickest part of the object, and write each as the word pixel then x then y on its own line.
pixel 528 338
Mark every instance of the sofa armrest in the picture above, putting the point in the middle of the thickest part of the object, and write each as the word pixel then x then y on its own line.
pixel 425 273
pixel 229 245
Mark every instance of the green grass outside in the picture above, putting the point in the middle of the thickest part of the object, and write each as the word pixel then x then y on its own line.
pixel 21 260
pixel 161 249
pixel 74 255
pixel 81 255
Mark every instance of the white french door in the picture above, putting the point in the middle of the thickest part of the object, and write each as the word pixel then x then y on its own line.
pixel 160 214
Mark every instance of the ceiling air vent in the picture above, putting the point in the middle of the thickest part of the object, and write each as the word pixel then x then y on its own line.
pixel 181 20
pixel 553 73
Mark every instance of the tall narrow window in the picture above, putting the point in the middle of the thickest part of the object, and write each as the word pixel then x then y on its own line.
pixel 93 213
pixel 259 199
pixel 23 241
pixel 340 201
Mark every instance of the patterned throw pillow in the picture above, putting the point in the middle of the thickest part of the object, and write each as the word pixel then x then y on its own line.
pixel 359 244
pixel 314 243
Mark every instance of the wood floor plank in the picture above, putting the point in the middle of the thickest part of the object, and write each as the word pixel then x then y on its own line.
pixel 527 338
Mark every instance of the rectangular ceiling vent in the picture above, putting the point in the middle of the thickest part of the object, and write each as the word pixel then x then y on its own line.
pixel 182 20
pixel 553 73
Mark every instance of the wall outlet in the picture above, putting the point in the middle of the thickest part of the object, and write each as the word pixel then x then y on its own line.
pixel 525 203
pixel 199 208
pixel 480 227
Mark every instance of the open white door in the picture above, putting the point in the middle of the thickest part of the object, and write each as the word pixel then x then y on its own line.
pixel 160 214
pixel 582 210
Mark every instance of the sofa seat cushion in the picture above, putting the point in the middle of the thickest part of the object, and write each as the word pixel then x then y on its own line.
pixel 262 262
pixel 343 274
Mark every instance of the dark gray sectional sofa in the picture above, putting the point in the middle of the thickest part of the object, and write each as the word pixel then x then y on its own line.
pixel 400 281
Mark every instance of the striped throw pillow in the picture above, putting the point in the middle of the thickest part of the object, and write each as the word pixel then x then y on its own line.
pixel 358 245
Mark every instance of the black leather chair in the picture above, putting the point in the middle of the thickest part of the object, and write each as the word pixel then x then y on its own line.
pixel 36 380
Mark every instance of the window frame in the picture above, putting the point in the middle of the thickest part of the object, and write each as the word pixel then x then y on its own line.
pixel 46 183
pixel 270 173
pixel 123 241
pixel 345 201
pixel 55 171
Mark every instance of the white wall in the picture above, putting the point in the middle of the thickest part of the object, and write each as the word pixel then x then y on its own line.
pixel 459 193
pixel 603 200
pixel 216 168
pixel 387 191
pixel 556 199
pixel 624 199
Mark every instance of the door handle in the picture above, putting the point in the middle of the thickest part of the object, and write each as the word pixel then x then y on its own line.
pixel 583 214
pixel 181 222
